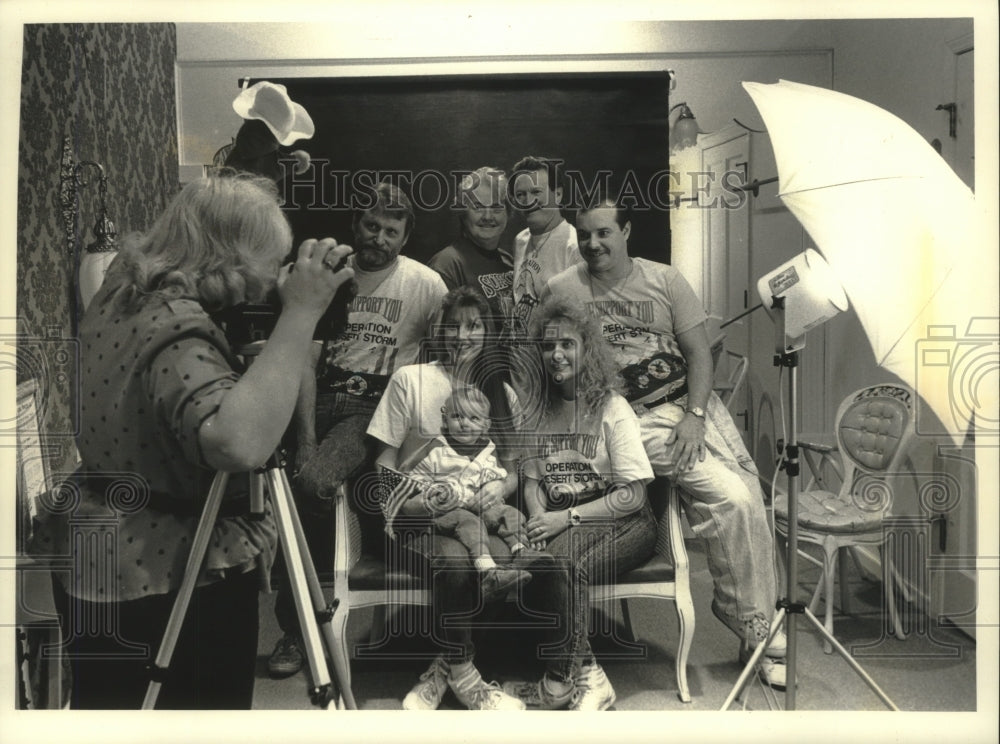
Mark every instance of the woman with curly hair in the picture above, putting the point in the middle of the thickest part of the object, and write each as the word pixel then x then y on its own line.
pixel 164 405
pixel 585 495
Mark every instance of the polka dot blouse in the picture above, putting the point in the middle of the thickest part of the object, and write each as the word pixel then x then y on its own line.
pixel 148 381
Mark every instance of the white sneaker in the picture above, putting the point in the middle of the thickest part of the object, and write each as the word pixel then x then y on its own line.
pixel 772 672
pixel 475 694
pixel 537 694
pixel 427 693
pixel 593 690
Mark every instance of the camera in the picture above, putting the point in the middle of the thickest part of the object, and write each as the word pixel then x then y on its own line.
pixel 962 372
pixel 248 323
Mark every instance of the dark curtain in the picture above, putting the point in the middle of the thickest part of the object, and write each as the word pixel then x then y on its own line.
pixel 424 132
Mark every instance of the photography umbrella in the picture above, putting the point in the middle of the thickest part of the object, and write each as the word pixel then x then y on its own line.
pixel 900 231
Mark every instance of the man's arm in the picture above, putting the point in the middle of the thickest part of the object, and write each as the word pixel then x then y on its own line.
pixel 689 434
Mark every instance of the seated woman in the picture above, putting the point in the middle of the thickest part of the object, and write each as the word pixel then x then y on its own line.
pixel 407 419
pixel 585 494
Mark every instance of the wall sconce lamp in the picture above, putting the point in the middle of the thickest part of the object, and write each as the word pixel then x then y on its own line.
pixel 98 255
pixel 684 132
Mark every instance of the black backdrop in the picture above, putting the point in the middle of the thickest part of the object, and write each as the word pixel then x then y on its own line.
pixel 419 127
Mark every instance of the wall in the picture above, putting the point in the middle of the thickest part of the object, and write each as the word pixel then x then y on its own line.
pixel 110 88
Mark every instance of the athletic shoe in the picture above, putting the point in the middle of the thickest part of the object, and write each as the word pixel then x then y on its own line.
pixel 496 582
pixel 537 694
pixel 529 559
pixel 475 694
pixel 772 672
pixel 753 631
pixel 593 690
pixel 427 693
pixel 286 659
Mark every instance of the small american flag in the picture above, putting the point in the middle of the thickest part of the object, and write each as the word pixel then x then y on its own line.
pixel 395 489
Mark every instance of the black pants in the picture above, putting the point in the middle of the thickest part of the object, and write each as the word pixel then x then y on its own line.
pixel 213 663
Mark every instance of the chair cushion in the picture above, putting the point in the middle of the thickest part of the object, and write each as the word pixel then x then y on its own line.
pixel 825 511
pixel 656 568
pixel 369 574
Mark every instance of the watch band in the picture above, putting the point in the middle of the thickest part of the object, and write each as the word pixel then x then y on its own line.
pixel 574 517
pixel 697 411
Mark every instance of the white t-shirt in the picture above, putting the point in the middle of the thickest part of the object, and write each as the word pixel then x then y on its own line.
pixel 577 467
pixel 409 413
pixel 641 317
pixel 387 320
pixel 537 258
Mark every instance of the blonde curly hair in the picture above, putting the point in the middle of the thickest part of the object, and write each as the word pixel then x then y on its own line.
pixel 598 377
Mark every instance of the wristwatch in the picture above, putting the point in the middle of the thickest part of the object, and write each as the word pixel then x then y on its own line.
pixel 696 411
pixel 575 519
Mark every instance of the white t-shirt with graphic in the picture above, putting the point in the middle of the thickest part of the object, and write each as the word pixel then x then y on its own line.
pixel 641 317
pixel 386 323
pixel 409 413
pixel 537 258
pixel 574 468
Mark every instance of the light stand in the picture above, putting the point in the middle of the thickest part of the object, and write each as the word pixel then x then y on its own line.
pixel 803 295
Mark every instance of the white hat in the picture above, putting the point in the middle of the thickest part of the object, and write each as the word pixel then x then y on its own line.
pixel 269 102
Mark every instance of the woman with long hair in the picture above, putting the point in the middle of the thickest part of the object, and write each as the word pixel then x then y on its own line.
pixel 585 495
pixel 408 419
pixel 164 405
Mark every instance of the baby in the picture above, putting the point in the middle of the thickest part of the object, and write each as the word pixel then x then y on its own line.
pixel 456 465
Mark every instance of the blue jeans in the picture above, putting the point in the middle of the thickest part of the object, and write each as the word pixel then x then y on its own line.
pixel 343 451
pixel 724 506
pixel 456 601
pixel 592 553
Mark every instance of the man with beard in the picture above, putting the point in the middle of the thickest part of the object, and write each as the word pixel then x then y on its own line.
pixel 548 244
pixel 397 298
pixel 478 259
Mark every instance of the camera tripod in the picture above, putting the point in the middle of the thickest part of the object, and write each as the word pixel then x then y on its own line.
pixel 302 577
pixel 788 608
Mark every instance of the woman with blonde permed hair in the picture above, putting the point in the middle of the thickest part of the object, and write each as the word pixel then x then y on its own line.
pixel 164 405
pixel 585 495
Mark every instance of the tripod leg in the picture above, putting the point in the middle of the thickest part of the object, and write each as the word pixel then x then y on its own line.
pixel 292 547
pixel 340 664
pixel 850 660
pixel 194 562
pixel 776 622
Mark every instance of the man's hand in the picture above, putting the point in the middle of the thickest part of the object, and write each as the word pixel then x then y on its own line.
pixel 689 438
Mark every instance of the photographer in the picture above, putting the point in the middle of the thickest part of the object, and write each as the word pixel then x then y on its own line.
pixel 161 398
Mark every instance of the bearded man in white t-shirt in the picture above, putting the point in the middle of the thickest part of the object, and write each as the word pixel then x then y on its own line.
pixel 396 301
pixel 655 325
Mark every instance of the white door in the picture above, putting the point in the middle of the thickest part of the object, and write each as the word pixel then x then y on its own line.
pixel 725 271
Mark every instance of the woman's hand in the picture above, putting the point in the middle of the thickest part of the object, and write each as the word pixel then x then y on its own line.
pixel 310 287
pixel 542 528
pixel 689 437
pixel 489 495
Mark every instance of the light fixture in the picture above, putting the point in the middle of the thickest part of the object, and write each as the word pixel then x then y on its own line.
pixel 685 131
pixel 98 255
pixel 800 295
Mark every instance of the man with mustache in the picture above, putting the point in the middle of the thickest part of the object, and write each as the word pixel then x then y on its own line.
pixel 655 325
pixel 397 298
pixel 478 258
pixel 548 244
